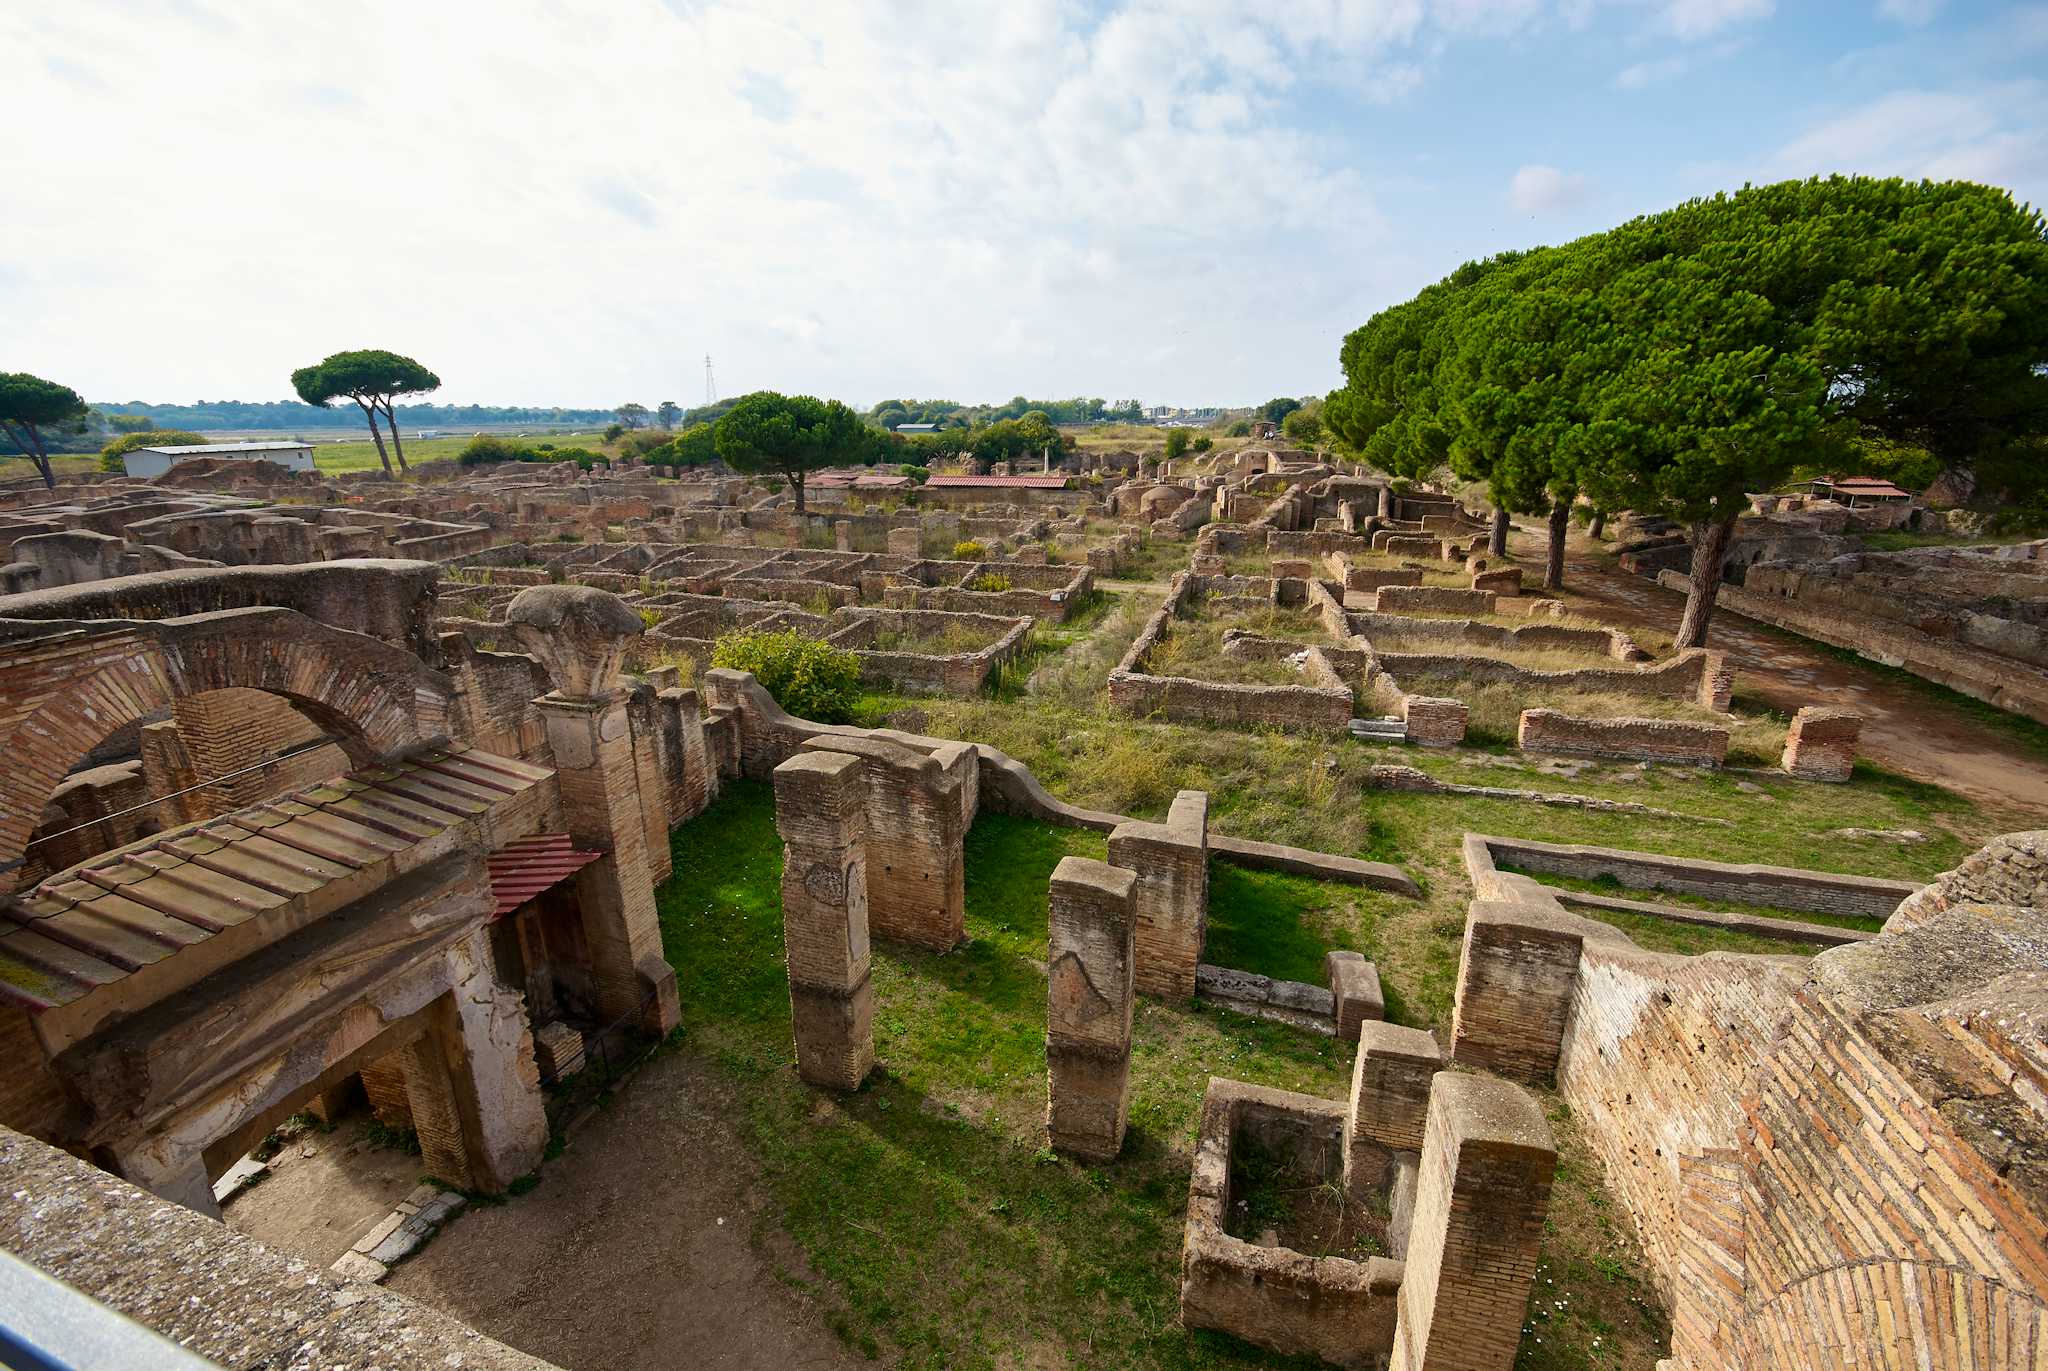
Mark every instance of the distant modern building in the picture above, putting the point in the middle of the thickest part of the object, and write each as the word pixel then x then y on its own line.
pixel 148 463
pixel 917 428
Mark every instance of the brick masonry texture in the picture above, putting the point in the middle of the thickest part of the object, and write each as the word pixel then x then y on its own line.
pixel 915 827
pixel 820 811
pixel 1821 743
pixel 1828 1163
pixel 1651 740
pixel 1481 1196
pixel 1090 991
pixel 1171 861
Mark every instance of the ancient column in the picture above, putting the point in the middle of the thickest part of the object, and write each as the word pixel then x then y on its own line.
pixel 1172 865
pixel 820 800
pixel 580 634
pixel 1487 1162
pixel 916 829
pixel 1090 991
pixel 470 1080
pixel 1390 1084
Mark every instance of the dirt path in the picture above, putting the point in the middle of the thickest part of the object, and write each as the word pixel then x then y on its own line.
pixel 323 1192
pixel 638 1252
pixel 1908 730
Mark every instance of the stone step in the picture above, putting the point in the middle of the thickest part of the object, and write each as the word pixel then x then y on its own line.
pixel 1379 730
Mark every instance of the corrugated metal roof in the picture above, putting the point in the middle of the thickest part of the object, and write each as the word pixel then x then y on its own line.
pixel 118 912
pixel 525 867
pixel 996 482
pixel 224 449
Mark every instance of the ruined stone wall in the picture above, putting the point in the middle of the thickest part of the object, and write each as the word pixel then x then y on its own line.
pixel 1656 740
pixel 1699 675
pixel 2006 682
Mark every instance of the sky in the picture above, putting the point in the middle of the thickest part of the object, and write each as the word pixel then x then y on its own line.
pixel 1187 203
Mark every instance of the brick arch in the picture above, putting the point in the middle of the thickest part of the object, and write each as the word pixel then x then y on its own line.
pixel 67 692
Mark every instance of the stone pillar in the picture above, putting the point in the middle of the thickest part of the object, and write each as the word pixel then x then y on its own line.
pixel 1390 1081
pixel 1484 1187
pixel 175 1175
pixel 906 542
pixel 842 535
pixel 580 634
pixel 167 770
pixel 1089 997
pixel 1171 861
pixel 471 1078
pixel 1821 744
pixel 1355 991
pixel 916 860
pixel 384 1084
pixel 820 811
pixel 1517 970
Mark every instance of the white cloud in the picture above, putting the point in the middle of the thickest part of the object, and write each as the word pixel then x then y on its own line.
pixel 550 205
pixel 1539 189
pixel 1643 75
pixel 1700 18
pixel 1994 134
pixel 1912 13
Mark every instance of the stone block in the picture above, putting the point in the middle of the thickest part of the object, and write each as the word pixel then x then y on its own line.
pixel 1090 958
pixel 1482 1192
pixel 906 542
pixel 1171 861
pixel 1390 1078
pixel 835 1034
pixel 1821 743
pixel 1516 973
pixel 1434 720
pixel 1355 991
pixel 1502 581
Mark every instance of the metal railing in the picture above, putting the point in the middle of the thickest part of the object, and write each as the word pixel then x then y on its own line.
pixel 46 1325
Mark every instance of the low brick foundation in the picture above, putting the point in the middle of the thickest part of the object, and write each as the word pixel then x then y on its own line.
pixel 1634 740
pixel 1821 744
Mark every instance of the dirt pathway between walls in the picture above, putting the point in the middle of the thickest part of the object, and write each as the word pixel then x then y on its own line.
pixel 1906 729
pixel 639 1251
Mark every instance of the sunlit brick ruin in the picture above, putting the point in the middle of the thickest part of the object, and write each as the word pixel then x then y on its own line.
pixel 1400 941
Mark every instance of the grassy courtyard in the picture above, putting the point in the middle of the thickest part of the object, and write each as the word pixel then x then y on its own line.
pixel 944 1233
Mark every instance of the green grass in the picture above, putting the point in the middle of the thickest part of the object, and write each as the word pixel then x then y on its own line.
pixel 945 1234
pixel 332 458
pixel 1665 935
pixel 1608 885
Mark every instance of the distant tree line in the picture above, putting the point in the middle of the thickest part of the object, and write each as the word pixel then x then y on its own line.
pixel 889 414
pixel 290 415
pixel 1681 361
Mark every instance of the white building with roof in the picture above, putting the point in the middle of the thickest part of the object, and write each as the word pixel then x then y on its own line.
pixel 148 463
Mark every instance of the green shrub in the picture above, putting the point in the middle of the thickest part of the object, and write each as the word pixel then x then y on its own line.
pixel 969 551
pixel 1241 428
pixel 808 677
pixel 1203 442
pixel 112 453
pixel 990 581
pixel 489 447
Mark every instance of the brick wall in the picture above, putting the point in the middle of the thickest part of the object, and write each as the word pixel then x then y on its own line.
pixel 1655 740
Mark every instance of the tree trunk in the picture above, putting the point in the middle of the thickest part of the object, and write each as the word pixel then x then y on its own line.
pixel 30 440
pixel 397 448
pixel 1598 525
pixel 1497 536
pixel 370 413
pixel 1560 524
pixel 1710 539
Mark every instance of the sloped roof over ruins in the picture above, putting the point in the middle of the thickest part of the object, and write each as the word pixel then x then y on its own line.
pixel 108 917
